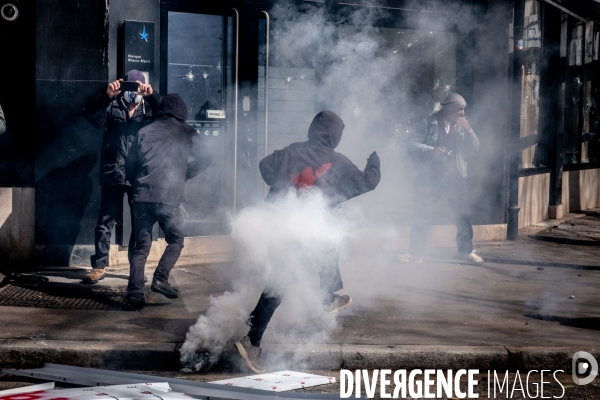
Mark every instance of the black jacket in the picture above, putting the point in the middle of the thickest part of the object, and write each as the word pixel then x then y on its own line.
pixel 157 163
pixel 315 163
pixel 119 131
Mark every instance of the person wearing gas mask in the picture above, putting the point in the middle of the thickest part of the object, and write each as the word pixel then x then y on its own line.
pixel 2 122
pixel 441 145
pixel 121 114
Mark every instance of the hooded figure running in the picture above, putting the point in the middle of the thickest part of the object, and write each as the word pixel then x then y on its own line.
pixel 302 166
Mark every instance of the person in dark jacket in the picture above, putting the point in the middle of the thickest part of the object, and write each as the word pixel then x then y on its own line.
pixel 302 167
pixel 442 143
pixel 158 166
pixel 121 114
pixel 2 122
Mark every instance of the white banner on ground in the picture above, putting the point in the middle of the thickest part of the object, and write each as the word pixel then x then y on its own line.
pixel 134 391
pixel 26 389
pixel 278 381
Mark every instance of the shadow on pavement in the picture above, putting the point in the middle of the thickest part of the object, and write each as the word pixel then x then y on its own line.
pixel 583 323
pixel 175 326
pixel 542 264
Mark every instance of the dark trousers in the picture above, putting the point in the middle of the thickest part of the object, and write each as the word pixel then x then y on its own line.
pixel 111 212
pixel 170 220
pixel 270 299
pixel 433 201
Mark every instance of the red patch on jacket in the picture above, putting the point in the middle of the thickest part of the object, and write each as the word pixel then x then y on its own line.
pixel 307 177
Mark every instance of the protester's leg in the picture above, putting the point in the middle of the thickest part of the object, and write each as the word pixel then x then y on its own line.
pixel 170 219
pixel 249 345
pixel 418 237
pixel 111 204
pixel 144 221
pixel 329 273
pixel 131 245
pixel 424 205
pixel 261 315
pixel 458 197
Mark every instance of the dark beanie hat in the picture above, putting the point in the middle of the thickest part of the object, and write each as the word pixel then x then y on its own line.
pixel 453 102
pixel 134 75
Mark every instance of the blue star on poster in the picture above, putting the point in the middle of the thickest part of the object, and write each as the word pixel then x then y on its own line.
pixel 144 35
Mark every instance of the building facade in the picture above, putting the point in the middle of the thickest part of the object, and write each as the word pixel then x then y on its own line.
pixel 254 73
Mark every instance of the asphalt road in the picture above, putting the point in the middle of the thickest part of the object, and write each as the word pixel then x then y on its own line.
pixel 565 390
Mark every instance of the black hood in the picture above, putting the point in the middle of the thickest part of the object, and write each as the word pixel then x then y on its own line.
pixel 173 106
pixel 326 129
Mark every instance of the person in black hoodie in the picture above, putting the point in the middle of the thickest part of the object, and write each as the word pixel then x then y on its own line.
pixel 303 166
pixel 121 114
pixel 158 166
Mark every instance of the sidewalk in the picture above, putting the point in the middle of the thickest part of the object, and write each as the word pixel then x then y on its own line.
pixel 531 305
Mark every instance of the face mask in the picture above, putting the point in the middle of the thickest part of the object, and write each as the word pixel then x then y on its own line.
pixel 131 97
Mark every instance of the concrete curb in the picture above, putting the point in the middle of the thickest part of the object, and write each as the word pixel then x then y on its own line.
pixel 22 353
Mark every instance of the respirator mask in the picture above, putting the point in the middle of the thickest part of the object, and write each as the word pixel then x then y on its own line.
pixel 132 98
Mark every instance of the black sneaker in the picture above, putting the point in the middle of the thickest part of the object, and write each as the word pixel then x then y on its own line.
pixel 164 288
pixel 134 303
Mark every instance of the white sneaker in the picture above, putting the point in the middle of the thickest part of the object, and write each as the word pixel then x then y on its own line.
pixel 471 258
pixel 409 258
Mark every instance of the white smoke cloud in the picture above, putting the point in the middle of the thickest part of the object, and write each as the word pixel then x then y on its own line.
pixel 381 81
pixel 280 244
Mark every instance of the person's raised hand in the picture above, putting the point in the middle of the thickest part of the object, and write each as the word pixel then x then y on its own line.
pixel 114 88
pixel 144 89
pixel 462 121
pixel 373 159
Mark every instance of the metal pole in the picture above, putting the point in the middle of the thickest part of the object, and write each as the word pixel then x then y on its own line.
pixel 515 123
pixel 235 110
pixel 267 24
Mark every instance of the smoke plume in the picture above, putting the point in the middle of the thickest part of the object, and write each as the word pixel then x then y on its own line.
pixel 279 245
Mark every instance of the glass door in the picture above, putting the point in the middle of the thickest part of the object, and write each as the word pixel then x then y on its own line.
pixel 200 67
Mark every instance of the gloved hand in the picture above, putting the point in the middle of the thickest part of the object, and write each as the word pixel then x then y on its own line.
pixel 374 160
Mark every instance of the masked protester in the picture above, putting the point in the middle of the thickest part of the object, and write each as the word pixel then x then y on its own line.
pixel 158 166
pixel 441 144
pixel 303 166
pixel 2 122
pixel 121 114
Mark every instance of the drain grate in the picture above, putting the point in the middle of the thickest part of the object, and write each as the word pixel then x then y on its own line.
pixel 63 297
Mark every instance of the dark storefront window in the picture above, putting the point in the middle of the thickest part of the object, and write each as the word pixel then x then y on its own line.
pixel 532 143
pixel 581 93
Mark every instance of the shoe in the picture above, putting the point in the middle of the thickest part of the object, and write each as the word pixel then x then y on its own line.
pixel 164 288
pixel 250 354
pixel 471 258
pixel 409 258
pixel 134 303
pixel 95 275
pixel 340 302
